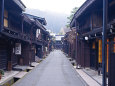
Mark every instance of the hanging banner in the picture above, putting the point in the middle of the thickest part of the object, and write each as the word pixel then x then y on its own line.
pixel 37 32
pixel 18 48
pixel 46 49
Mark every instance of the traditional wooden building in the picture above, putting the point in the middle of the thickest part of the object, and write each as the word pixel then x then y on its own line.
pixel 10 29
pixel 42 36
pixel 65 44
pixel 51 44
pixel 88 21
pixel 69 43
pixel 21 37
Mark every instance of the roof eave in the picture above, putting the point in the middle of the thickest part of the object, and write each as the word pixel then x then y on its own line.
pixel 20 4
pixel 86 4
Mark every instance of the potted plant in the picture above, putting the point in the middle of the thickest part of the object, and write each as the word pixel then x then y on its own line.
pixel 1 73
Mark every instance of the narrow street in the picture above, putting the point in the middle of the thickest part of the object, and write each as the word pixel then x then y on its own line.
pixel 57 42
pixel 55 70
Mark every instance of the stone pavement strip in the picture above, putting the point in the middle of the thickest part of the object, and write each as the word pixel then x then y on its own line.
pixel 55 70
pixel 87 78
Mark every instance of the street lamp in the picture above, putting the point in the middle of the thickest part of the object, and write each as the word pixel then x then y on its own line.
pixel 86 38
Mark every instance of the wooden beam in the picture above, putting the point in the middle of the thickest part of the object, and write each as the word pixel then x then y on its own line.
pixel 22 24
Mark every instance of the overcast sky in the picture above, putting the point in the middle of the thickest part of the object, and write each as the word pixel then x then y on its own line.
pixel 59 6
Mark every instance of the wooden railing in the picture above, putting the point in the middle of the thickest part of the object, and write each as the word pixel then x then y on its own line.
pixel 18 35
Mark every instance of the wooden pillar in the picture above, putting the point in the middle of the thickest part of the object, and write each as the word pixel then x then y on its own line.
pixel 10 52
pixel 107 55
pixel 91 22
pixel 86 54
pixel 2 15
pixel 69 49
pixel 22 25
pixel 82 60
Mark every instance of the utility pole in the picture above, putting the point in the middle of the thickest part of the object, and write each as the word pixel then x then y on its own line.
pixel 104 40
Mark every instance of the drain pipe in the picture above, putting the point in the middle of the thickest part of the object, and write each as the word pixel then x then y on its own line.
pixel 104 41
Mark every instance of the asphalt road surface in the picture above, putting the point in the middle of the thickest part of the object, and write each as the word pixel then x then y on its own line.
pixel 55 70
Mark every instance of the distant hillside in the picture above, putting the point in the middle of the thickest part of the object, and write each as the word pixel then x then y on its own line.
pixel 54 20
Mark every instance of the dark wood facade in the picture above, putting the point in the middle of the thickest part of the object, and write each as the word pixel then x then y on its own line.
pixel 69 43
pixel 88 21
pixel 20 31
pixel 10 30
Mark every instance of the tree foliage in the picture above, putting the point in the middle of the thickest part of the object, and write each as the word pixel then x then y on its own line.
pixel 71 15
